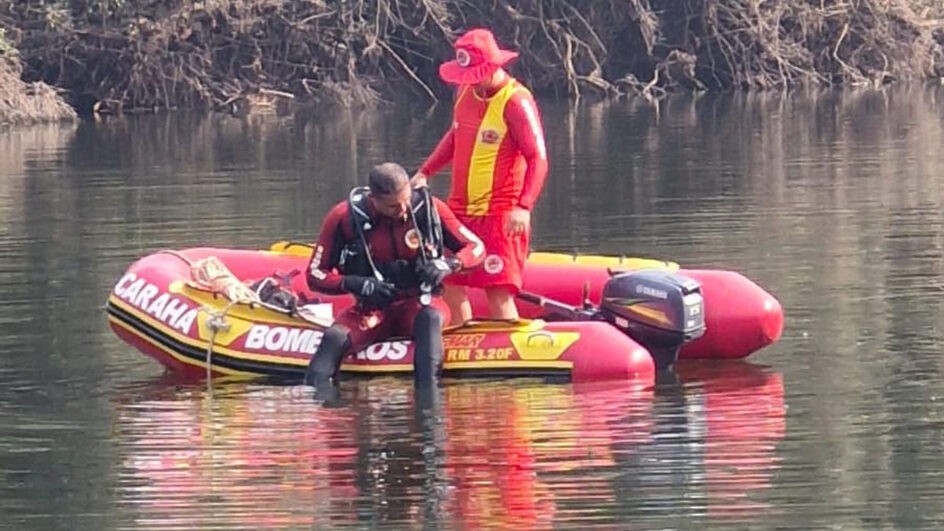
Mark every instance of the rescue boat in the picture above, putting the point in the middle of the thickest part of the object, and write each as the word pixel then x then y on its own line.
pixel 193 311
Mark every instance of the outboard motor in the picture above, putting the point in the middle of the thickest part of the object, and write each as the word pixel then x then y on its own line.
pixel 658 309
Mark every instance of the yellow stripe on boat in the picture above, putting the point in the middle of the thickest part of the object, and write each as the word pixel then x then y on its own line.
pixel 623 263
pixel 291 248
pixel 517 325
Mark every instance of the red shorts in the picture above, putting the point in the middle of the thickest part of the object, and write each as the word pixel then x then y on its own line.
pixel 377 325
pixel 504 255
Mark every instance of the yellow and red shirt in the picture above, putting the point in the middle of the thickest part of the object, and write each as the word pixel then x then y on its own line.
pixel 496 146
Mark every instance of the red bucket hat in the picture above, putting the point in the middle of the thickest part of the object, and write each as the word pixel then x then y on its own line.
pixel 477 57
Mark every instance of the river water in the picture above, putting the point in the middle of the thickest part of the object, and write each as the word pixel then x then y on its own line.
pixel 832 201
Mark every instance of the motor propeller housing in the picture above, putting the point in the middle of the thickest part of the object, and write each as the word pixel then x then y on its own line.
pixel 661 310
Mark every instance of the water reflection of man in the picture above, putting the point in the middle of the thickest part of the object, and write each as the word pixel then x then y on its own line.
pixel 399 467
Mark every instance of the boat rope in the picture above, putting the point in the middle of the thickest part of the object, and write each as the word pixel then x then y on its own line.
pixel 177 254
pixel 212 274
pixel 216 322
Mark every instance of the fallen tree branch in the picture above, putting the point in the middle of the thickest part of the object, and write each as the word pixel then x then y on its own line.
pixel 202 54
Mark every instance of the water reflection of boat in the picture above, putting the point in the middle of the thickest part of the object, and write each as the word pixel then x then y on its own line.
pixel 715 428
pixel 514 453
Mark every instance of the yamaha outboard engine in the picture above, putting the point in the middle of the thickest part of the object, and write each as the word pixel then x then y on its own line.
pixel 658 309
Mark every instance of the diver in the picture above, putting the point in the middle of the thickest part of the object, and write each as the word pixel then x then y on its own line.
pixel 391 247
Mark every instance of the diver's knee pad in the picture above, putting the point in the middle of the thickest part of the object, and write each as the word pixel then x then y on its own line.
pixel 428 344
pixel 326 360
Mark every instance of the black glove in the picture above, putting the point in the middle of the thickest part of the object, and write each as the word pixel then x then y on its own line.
pixel 374 292
pixel 433 272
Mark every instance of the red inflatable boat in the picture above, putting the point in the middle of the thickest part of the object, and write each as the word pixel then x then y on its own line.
pixel 590 318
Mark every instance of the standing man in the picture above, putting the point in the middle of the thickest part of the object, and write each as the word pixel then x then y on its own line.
pixel 499 162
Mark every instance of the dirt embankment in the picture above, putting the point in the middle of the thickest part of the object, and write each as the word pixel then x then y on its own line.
pixel 22 102
pixel 226 54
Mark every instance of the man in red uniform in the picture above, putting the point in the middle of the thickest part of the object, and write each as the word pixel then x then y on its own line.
pixel 499 162
pixel 385 245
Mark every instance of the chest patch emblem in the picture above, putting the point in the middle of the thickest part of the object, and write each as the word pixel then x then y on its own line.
pixel 412 239
pixel 490 136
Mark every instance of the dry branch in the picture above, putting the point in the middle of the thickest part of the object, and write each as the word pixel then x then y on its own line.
pixel 145 54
